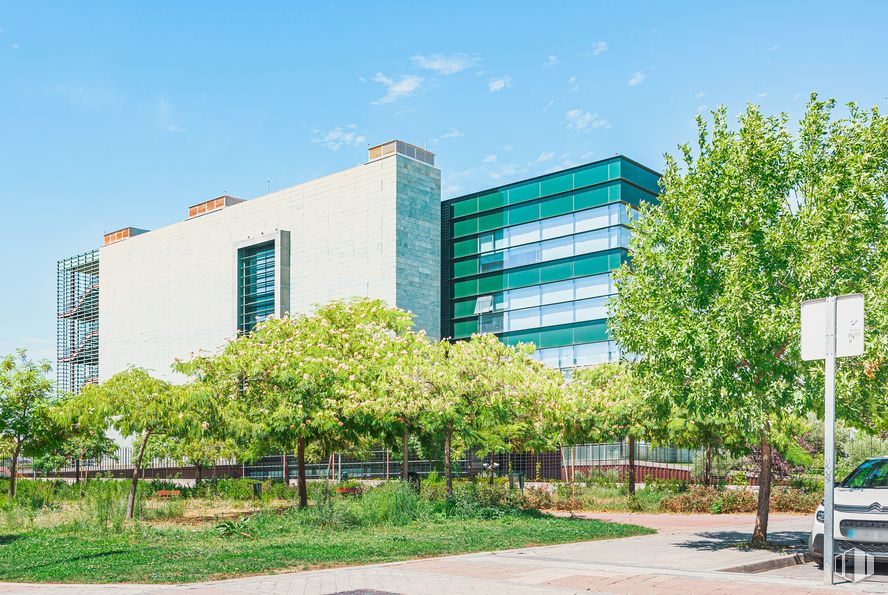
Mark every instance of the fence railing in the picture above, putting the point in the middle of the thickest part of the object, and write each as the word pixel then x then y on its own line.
pixel 570 462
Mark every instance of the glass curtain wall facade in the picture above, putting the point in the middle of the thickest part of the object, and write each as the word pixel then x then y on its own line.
pixel 77 321
pixel 531 261
pixel 255 285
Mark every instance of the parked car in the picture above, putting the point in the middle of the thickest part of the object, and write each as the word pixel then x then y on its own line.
pixel 860 513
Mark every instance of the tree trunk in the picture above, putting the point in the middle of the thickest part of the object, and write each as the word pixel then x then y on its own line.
pixel 77 471
pixel 300 472
pixel 405 462
pixel 760 535
pixel 13 469
pixel 448 477
pixel 197 474
pixel 707 466
pixel 215 492
pixel 137 464
pixel 631 465
pixel 491 468
pixel 285 471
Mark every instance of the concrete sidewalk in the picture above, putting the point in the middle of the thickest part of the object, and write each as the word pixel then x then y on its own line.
pixel 688 555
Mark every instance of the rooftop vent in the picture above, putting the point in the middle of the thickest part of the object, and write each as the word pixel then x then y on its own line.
pixel 406 149
pixel 212 205
pixel 122 234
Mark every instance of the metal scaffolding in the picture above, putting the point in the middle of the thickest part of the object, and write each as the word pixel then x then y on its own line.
pixel 77 340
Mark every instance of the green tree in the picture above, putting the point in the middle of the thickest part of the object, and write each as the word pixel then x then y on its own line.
pixel 26 398
pixel 137 405
pixel 750 223
pixel 286 383
pixel 611 402
pixel 478 391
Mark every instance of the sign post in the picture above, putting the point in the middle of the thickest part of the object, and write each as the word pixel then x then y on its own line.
pixel 831 327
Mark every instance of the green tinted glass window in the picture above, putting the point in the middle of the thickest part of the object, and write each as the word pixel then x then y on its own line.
pixel 524 214
pixel 555 337
pixel 525 337
pixel 464 268
pixel 464 308
pixel 491 221
pixel 525 277
pixel 465 227
pixel 561 183
pixel 465 288
pixel 490 284
pixel 465 207
pixel 522 193
pixel 556 271
pixel 255 266
pixel 494 200
pixel 465 328
pixel 594 197
pixel 595 174
pixel 465 247
pixel 591 332
pixel 558 205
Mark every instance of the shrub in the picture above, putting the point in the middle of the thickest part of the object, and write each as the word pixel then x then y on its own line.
pixel 795 500
pixel 537 497
pixel 392 503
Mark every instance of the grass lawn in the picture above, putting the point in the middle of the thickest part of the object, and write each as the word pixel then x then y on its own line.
pixel 166 554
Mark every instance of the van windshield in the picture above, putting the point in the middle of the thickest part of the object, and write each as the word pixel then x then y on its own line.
pixel 870 474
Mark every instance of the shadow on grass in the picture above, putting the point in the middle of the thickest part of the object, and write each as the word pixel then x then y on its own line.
pixel 7 539
pixel 713 541
pixel 74 559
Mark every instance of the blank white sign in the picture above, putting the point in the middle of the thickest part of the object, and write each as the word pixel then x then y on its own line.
pixel 849 327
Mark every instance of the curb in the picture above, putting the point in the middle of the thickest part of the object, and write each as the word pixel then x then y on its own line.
pixel 765 566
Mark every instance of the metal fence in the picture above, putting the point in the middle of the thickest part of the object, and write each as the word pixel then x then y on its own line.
pixel 580 461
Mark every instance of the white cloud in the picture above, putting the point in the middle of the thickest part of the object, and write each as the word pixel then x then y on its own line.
pixel 453 133
pixel 550 62
pixel 498 84
pixel 548 105
pixel 547 156
pixel 762 94
pixel 489 159
pixel 637 78
pixel 445 64
pixel 396 89
pixel 572 83
pixel 701 94
pixel 339 137
pixel 702 108
pixel 599 47
pixel 579 120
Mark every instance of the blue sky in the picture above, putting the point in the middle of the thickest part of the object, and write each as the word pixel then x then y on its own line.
pixel 116 114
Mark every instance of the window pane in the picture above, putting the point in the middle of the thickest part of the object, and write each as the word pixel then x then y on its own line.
pixel 522 234
pixel 255 285
pixel 592 241
pixel 492 323
pixel 558 248
pixel 566 357
pixel 591 354
pixel 524 297
pixel 594 286
pixel 486 242
pixel 592 309
pixel 557 292
pixel 592 219
pixel 519 320
pixel 549 357
pixel 557 227
pixel 557 314
pixel 522 255
pixel 491 262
